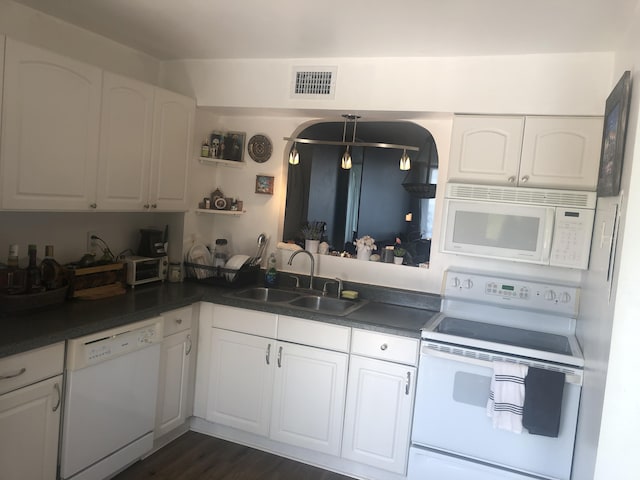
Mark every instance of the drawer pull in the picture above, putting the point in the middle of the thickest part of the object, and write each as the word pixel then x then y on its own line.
pixel 280 357
pixel 13 375
pixel 189 345
pixel 179 321
pixel 268 356
pixel 384 346
pixel 56 387
pixel 406 388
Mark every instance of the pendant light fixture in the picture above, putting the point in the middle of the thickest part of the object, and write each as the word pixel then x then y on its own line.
pixel 294 156
pixel 346 162
pixel 405 161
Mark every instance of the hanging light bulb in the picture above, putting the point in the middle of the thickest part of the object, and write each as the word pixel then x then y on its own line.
pixel 405 161
pixel 346 159
pixel 294 156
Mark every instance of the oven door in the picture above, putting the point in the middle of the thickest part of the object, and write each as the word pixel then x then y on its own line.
pixel 450 415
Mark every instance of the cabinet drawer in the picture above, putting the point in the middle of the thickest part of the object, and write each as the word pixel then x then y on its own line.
pixel 317 334
pixel 29 367
pixel 247 321
pixel 385 346
pixel 177 320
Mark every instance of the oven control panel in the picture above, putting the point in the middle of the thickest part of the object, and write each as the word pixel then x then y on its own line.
pixel 517 293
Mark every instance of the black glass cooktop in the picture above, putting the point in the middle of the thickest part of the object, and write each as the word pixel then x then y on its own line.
pixel 547 342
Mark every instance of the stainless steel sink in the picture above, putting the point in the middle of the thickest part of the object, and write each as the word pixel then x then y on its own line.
pixel 335 306
pixel 263 294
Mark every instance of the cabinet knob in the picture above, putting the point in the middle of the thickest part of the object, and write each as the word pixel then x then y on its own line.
pixel 93 205
pixel 525 179
pixel 511 179
pixel 146 206
pixel 154 205
pixel 384 346
pixel 179 321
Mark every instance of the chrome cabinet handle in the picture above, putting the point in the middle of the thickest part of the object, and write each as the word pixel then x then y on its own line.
pixel 154 205
pixel 511 179
pixel 178 321
pixel 268 356
pixel 384 346
pixel 56 387
pixel 13 375
pixel 189 345
pixel 406 388
pixel 93 205
pixel 525 179
pixel 280 357
pixel 146 206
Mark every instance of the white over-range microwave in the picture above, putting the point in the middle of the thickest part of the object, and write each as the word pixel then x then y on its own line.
pixel 547 227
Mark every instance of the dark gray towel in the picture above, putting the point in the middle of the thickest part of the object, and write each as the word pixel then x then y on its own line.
pixel 543 401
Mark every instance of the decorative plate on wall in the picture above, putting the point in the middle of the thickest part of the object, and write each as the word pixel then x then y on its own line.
pixel 260 148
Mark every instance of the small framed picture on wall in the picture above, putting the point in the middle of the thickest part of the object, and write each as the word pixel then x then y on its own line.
pixel 264 184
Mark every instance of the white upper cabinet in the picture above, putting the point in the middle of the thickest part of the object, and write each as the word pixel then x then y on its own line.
pixel 171 150
pixel 125 144
pixel 545 152
pixel 561 152
pixel 485 149
pixel 50 130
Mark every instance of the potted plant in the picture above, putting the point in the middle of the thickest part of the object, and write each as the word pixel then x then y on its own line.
pixel 364 246
pixel 398 254
pixel 312 233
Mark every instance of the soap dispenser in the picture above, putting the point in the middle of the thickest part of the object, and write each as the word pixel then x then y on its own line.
pixel 271 275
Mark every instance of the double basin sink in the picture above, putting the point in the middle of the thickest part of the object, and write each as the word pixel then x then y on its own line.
pixel 300 300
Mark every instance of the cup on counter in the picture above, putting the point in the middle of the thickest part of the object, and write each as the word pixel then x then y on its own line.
pixel 175 272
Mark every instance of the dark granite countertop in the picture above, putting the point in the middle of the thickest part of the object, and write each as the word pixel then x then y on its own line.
pixel 386 310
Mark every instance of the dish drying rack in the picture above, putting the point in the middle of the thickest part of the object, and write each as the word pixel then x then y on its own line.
pixel 221 276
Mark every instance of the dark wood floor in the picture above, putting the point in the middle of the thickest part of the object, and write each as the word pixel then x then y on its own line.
pixel 195 456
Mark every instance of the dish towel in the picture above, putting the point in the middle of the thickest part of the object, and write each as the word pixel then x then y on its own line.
pixel 543 402
pixel 506 397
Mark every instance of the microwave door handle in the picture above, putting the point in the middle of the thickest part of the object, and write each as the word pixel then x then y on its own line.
pixel 548 234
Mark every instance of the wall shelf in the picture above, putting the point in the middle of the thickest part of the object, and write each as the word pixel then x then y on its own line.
pixel 221 161
pixel 232 213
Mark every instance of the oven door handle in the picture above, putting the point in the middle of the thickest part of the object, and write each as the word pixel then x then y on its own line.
pixel 573 378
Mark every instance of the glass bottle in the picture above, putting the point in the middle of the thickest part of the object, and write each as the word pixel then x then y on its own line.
pixel 12 258
pixel 221 253
pixel 33 283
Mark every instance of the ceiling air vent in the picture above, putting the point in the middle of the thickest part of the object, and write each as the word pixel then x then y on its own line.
pixel 314 82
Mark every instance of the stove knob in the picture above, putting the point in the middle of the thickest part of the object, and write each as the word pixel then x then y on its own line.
pixel 467 284
pixel 565 297
pixel 550 295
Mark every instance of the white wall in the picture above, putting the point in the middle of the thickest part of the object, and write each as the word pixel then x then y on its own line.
pixel 572 84
pixel 31 26
pixel 618 444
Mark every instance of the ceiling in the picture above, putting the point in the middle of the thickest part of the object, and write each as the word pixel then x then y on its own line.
pixel 180 29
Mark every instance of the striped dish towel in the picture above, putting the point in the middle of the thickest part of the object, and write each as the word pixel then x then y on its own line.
pixel 506 397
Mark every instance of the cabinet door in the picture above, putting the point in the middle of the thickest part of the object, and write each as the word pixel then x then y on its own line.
pixel 378 413
pixel 308 400
pixel 29 427
pixel 561 152
pixel 485 149
pixel 171 150
pixel 125 144
pixel 240 381
pixel 51 117
pixel 174 382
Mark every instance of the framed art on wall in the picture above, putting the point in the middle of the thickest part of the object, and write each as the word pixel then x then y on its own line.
pixel 264 184
pixel 613 137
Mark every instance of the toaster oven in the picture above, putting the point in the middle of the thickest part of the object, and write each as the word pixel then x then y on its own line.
pixel 141 270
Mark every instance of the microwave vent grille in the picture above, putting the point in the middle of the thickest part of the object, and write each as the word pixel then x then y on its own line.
pixel 532 196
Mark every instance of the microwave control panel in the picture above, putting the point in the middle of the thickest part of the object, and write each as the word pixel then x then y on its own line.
pixel 572 238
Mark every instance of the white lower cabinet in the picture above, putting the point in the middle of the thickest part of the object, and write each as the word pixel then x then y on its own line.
pixel 177 359
pixel 380 396
pixel 308 401
pixel 30 405
pixel 378 413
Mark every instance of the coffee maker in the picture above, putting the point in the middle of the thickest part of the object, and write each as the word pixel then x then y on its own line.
pixel 152 242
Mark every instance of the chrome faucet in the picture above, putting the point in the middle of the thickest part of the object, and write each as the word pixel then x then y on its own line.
pixel 337 283
pixel 313 263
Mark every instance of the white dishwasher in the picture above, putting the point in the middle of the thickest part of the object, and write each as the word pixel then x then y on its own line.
pixel 110 401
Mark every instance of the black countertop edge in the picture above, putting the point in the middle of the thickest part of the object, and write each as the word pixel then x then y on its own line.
pixel 386 310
